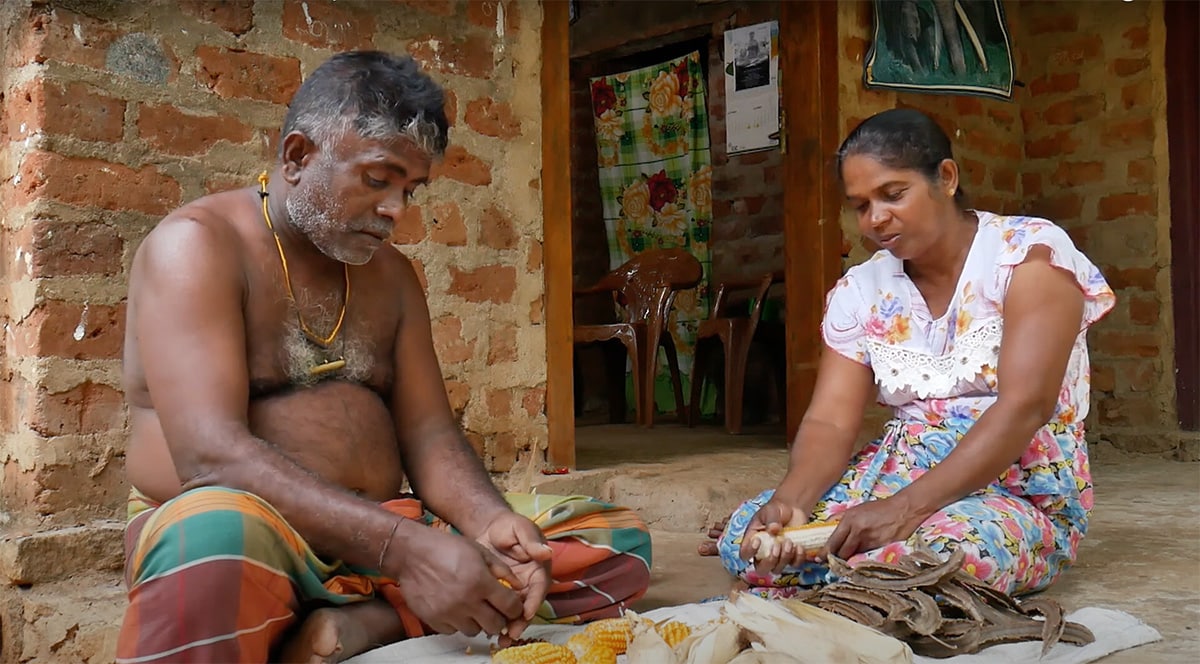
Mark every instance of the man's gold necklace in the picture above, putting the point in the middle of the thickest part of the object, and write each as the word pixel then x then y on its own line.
pixel 323 342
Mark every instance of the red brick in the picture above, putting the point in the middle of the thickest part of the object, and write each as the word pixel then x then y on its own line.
pixel 50 331
pixel 59 249
pixel 175 131
pixel 238 74
pixel 1002 116
pixel 1137 376
pixel 1115 206
pixel 496 229
pixel 502 452
pixel 458 394
pixel 1073 111
pixel 448 340
pixel 534 401
pixel 771 174
pixel 1058 144
pixel 1084 48
pixel 534 262
pixel 410 229
pixel 75 111
pixel 1141 171
pixel 234 16
pixel 51 36
pixel 1061 206
pixel 1005 179
pixel 1031 185
pixel 477 442
pixel 91 182
pixel 1080 234
pixel 87 408
pixel 490 283
pixel 1042 22
pixel 458 164
pixel 968 106
pixel 1137 36
pixel 1128 66
pixel 1144 310
pixel 1139 278
pixel 1103 378
pixel 1124 133
pixel 483 14
pixel 499 403
pixel 1072 173
pixel 327 25
pixel 1115 343
pixel 1136 94
pixel 450 107
pixel 971 171
pixel 1054 84
pixel 492 118
pixel 448 226
pixel 502 344
pixel 470 56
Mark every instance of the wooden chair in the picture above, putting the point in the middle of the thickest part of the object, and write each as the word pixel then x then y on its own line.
pixel 644 288
pixel 735 334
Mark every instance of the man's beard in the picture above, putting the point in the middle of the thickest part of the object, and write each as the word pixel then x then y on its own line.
pixel 314 211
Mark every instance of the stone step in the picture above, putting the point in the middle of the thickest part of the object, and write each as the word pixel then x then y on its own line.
pixel 75 620
pixel 684 496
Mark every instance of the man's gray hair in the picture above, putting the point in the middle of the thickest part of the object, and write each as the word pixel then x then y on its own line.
pixel 378 95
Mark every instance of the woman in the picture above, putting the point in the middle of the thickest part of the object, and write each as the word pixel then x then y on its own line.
pixel 959 303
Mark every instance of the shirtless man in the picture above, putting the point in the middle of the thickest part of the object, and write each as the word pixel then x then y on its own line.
pixel 282 384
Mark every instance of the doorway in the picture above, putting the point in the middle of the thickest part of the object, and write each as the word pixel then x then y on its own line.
pixel 810 201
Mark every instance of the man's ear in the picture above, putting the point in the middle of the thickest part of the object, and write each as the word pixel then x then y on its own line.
pixel 298 151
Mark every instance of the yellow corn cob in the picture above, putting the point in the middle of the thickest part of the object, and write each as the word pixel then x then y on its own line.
pixel 598 654
pixel 612 633
pixel 673 632
pixel 535 653
pixel 810 538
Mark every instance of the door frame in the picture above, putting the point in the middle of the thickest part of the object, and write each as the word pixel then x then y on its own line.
pixel 1183 134
pixel 812 233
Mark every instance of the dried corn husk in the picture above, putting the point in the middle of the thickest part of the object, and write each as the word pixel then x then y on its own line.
pixel 715 642
pixel 813 635
pixel 647 645
pixel 758 656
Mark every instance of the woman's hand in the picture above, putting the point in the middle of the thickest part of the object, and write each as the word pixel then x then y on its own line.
pixel 771 518
pixel 871 525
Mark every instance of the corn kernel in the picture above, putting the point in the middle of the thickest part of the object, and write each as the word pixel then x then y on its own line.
pixel 535 653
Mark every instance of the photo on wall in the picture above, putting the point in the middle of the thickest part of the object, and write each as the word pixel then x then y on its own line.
pixel 941 46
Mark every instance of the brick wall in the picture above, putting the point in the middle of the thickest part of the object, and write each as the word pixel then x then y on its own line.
pixel 114 113
pixel 1082 144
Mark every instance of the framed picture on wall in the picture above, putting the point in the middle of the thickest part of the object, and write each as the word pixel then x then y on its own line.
pixel 941 46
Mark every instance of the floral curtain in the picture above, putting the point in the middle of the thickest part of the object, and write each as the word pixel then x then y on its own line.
pixel 656 180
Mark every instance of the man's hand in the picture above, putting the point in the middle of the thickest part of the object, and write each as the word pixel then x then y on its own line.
pixel 771 518
pixel 519 543
pixel 453 584
pixel 871 525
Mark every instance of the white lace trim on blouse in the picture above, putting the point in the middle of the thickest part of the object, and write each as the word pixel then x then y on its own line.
pixel 900 370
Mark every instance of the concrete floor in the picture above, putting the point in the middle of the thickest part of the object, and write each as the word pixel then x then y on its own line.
pixel 1142 554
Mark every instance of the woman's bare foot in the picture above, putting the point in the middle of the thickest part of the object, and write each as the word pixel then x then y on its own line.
pixel 337 633
pixel 709 548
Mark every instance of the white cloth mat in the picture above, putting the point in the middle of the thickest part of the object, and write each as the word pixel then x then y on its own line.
pixel 1114 630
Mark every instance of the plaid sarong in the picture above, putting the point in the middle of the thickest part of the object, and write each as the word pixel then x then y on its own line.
pixel 217 575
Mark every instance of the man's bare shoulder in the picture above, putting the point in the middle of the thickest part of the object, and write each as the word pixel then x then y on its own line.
pixel 201 234
pixel 397 268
